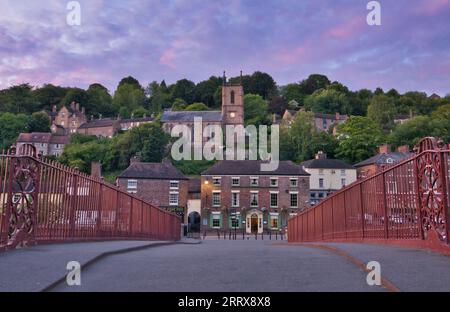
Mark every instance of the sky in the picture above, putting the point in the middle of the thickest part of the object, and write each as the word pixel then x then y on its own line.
pixel 195 39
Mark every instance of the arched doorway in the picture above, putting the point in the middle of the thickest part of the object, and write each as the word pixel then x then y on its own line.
pixel 254 223
pixel 194 222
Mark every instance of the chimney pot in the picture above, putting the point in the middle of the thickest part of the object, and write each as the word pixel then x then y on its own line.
pixel 384 149
pixel 403 149
pixel 321 155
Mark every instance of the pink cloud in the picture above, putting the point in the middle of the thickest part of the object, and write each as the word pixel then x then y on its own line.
pixel 167 58
pixel 432 6
pixel 348 29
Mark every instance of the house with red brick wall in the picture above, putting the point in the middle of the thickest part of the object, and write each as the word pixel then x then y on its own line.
pixel 70 118
pixel 105 128
pixel 238 194
pixel 161 184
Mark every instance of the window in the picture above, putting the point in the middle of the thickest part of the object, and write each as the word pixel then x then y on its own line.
pixel 389 161
pixel 235 220
pixel 216 199
pixel 294 200
pixel 320 183
pixel 216 181
pixel 173 198
pixel 253 181
pixel 294 182
pixel 274 221
pixel 273 199
pixel 343 182
pixel 254 199
pixel 216 220
pixel 235 181
pixel 343 172
pixel 235 199
pixel 273 182
pixel 232 97
pixel 132 184
pixel 174 184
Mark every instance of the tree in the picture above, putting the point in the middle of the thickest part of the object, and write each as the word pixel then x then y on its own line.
pixel 277 105
pixel 205 90
pixel 381 109
pixel 196 107
pixel 313 83
pixel 18 99
pixel 10 127
pixel 49 95
pixel 128 96
pixel 130 81
pixel 184 89
pixel 255 110
pixel 39 122
pixel 292 92
pixel 178 105
pixel 75 95
pixel 160 97
pixel 258 83
pixel 99 101
pixel 139 112
pixel 358 139
pixel 326 101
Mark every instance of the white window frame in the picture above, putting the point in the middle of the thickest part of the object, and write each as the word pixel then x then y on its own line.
pixel 213 203
pixel 216 216
pixel 256 179
pixel 173 203
pixel 270 200
pixel 236 178
pixel 174 182
pixel 293 179
pixel 237 194
pixel 290 199
pixel 274 216
pixel 134 182
pixel 218 179
pixel 274 179
pixel 257 199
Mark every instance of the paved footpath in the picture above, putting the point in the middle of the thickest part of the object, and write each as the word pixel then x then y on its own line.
pixel 228 266
pixel 35 268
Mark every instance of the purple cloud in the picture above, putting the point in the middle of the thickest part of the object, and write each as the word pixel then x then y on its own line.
pixel 290 39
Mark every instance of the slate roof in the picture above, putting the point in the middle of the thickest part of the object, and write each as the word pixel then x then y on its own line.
pixel 159 171
pixel 188 116
pixel 42 137
pixel 99 123
pixel 326 164
pixel 253 167
pixel 381 159
pixel 137 119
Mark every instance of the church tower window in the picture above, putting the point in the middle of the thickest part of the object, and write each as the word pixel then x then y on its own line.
pixel 232 97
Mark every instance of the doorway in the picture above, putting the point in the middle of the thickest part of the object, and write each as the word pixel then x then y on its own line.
pixel 254 223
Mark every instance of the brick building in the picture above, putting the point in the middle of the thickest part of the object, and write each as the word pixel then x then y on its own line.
pixel 237 194
pixel 130 123
pixel 327 176
pixel 383 159
pixel 69 118
pixel 323 122
pixel 232 112
pixel 161 184
pixel 106 128
pixel 46 144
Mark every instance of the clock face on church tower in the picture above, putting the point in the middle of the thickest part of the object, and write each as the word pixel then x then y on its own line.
pixel 232 115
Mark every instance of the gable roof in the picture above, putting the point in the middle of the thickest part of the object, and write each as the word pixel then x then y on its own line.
pixel 326 164
pixel 253 167
pixel 99 123
pixel 381 159
pixel 157 171
pixel 188 116
pixel 137 119
pixel 35 137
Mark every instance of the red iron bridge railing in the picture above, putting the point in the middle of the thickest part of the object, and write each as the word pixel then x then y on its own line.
pixel 42 201
pixel 407 203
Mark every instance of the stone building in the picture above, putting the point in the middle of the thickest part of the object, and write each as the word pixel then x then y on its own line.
pixel 161 184
pixel 383 159
pixel 46 144
pixel 130 123
pixel 237 194
pixel 105 128
pixel 69 118
pixel 327 176
pixel 232 112
pixel 323 122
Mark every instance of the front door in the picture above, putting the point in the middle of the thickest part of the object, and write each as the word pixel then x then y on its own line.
pixel 254 223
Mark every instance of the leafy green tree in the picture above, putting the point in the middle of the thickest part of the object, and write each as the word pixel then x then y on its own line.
pixel 49 95
pixel 258 83
pixel 184 89
pixel 18 99
pixel 129 96
pixel 159 95
pixel 255 110
pixel 130 81
pixel 205 90
pixel 358 139
pixel 178 105
pixel 382 110
pixel 99 101
pixel 196 107
pixel 140 112
pixel 313 83
pixel 277 105
pixel 10 127
pixel 326 101
pixel 75 95
pixel 39 122
pixel 293 92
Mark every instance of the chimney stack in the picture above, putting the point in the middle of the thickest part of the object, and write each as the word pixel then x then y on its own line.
pixel 77 106
pixel 96 169
pixel 321 155
pixel 135 159
pixel 384 149
pixel 403 149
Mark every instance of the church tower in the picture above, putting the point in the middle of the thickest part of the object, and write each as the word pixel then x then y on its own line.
pixel 232 102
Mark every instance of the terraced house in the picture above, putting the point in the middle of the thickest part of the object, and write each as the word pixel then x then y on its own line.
pixel 238 195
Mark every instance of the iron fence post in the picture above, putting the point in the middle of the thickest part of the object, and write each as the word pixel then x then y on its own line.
pixel 386 221
pixel 444 174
